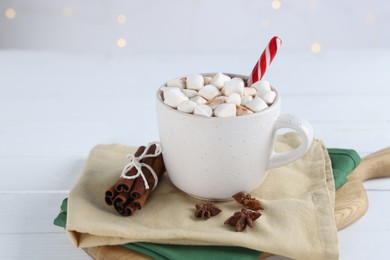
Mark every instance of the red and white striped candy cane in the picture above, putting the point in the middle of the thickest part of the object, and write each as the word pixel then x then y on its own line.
pixel 265 60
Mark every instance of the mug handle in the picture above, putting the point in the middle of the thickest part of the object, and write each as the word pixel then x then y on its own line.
pixel 304 129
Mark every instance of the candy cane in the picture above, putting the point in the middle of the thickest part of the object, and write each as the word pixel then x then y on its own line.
pixel 265 60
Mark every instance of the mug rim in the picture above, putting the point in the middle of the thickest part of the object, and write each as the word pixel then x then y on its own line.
pixel 262 112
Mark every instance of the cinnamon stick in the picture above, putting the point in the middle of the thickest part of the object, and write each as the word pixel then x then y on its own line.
pixel 130 209
pixel 110 195
pixel 138 189
pixel 124 184
pixel 139 193
pixel 120 201
pixel 159 166
pixel 129 195
pixel 139 202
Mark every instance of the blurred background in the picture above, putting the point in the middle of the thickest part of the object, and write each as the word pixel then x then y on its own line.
pixel 190 25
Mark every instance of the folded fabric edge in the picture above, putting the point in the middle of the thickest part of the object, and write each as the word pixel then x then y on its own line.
pixel 324 207
pixel 149 249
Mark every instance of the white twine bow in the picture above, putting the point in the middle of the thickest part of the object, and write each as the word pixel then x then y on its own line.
pixel 136 162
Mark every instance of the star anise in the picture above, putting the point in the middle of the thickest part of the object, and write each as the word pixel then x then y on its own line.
pixel 243 218
pixel 206 210
pixel 248 201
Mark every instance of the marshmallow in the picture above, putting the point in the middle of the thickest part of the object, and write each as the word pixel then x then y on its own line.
pixel 225 110
pixel 216 101
pixel 203 110
pixel 250 91
pixel 243 111
pixel 207 80
pixel 199 100
pixel 195 81
pixel 234 99
pixel 219 80
pixel 261 85
pixel 268 96
pixel 209 92
pixel 187 106
pixel 256 104
pixel 165 90
pixel 177 83
pixel 239 79
pixel 189 92
pixel 246 99
pixel 174 97
pixel 233 86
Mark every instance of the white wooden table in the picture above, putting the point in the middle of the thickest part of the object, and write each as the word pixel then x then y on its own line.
pixel 54 107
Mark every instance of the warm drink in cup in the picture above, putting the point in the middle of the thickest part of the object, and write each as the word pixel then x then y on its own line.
pixel 213 158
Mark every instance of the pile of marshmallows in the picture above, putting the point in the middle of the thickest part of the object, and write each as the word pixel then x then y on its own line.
pixel 219 96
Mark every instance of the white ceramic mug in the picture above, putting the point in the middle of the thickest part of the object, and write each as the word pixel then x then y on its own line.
pixel 213 158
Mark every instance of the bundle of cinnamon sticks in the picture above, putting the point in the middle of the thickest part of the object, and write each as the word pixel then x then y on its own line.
pixel 129 194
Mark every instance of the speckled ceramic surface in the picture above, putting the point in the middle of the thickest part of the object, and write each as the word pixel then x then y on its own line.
pixel 214 158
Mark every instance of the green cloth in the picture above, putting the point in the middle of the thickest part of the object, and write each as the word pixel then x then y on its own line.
pixel 165 252
pixel 343 162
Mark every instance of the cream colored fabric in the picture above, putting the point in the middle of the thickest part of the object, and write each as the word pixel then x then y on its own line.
pixel 298 220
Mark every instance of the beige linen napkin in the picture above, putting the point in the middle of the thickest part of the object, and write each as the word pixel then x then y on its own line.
pixel 297 222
